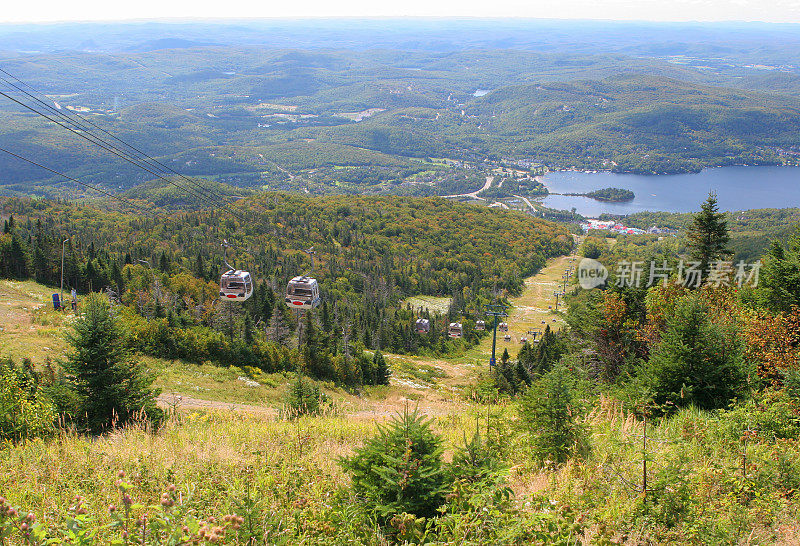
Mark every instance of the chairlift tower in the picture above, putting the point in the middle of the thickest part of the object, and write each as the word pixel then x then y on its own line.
pixel 496 311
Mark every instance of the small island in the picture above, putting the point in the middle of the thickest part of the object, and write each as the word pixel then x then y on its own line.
pixel 607 194
pixel 614 195
pixel 611 194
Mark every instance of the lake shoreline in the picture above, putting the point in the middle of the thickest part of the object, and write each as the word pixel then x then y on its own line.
pixel 737 187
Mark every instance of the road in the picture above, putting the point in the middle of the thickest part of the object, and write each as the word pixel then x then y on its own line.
pixel 525 199
pixel 474 195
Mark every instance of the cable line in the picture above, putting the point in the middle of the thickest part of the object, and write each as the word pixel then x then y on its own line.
pixel 111 148
pixel 84 184
pixel 60 113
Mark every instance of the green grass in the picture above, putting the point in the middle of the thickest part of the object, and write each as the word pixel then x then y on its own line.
pixel 29 327
pixel 432 303
pixel 224 384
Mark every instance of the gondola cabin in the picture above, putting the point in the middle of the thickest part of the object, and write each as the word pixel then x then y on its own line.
pixel 235 285
pixel 523 340
pixel 507 337
pixel 503 327
pixel 303 293
pixel 423 326
pixel 480 326
pixel 455 330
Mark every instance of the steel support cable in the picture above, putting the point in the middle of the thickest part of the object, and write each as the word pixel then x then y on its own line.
pixel 84 184
pixel 109 148
pixel 211 194
pixel 123 155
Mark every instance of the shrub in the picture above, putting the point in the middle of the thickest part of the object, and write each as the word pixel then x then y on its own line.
pixel 551 415
pixel 771 415
pixel 303 398
pixel 25 412
pixel 399 470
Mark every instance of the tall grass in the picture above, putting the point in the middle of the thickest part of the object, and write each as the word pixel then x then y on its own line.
pixel 284 479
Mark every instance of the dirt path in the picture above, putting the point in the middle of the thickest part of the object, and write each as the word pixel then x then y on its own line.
pixel 527 202
pixel 181 402
pixel 365 409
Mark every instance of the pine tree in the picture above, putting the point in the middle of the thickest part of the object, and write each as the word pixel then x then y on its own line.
pixel 110 388
pixel 779 284
pixel 696 362
pixel 382 371
pixel 278 331
pixel 708 235
pixel 551 414
pixel 400 469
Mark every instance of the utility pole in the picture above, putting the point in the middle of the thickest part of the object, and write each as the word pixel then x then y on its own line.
pixel 495 311
pixel 644 456
pixel 61 298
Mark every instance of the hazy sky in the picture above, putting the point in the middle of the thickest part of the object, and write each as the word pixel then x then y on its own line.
pixel 787 11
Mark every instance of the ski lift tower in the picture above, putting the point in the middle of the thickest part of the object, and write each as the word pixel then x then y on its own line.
pixel 495 311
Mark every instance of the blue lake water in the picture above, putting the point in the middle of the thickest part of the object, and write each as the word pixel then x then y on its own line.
pixel 738 188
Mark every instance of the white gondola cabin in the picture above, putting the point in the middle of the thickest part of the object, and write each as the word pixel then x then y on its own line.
pixel 503 327
pixel 303 293
pixel 422 326
pixel 455 330
pixel 480 325
pixel 235 285
pixel 507 337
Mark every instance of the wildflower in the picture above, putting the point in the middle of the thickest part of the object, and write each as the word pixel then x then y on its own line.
pixel 121 474
pixel 111 508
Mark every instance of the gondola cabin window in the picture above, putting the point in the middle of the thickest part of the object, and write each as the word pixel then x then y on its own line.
pixel 302 293
pixel 235 285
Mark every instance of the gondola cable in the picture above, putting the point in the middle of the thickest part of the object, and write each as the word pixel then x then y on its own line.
pixel 208 192
pixel 109 148
pixel 90 186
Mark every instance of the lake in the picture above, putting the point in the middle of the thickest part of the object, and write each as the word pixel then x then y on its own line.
pixel 738 188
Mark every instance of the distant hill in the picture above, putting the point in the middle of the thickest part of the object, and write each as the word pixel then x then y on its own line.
pixel 356 121
pixel 167 43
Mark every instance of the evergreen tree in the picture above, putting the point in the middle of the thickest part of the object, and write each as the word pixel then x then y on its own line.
pixel 696 362
pixel 278 330
pixel 779 282
pixel 539 359
pixel 708 234
pixel 551 415
pixel 316 356
pixel 199 267
pixel 110 388
pixel 382 371
pixel 400 469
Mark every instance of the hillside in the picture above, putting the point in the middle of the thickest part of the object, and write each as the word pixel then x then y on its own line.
pixel 371 121
pixel 371 254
